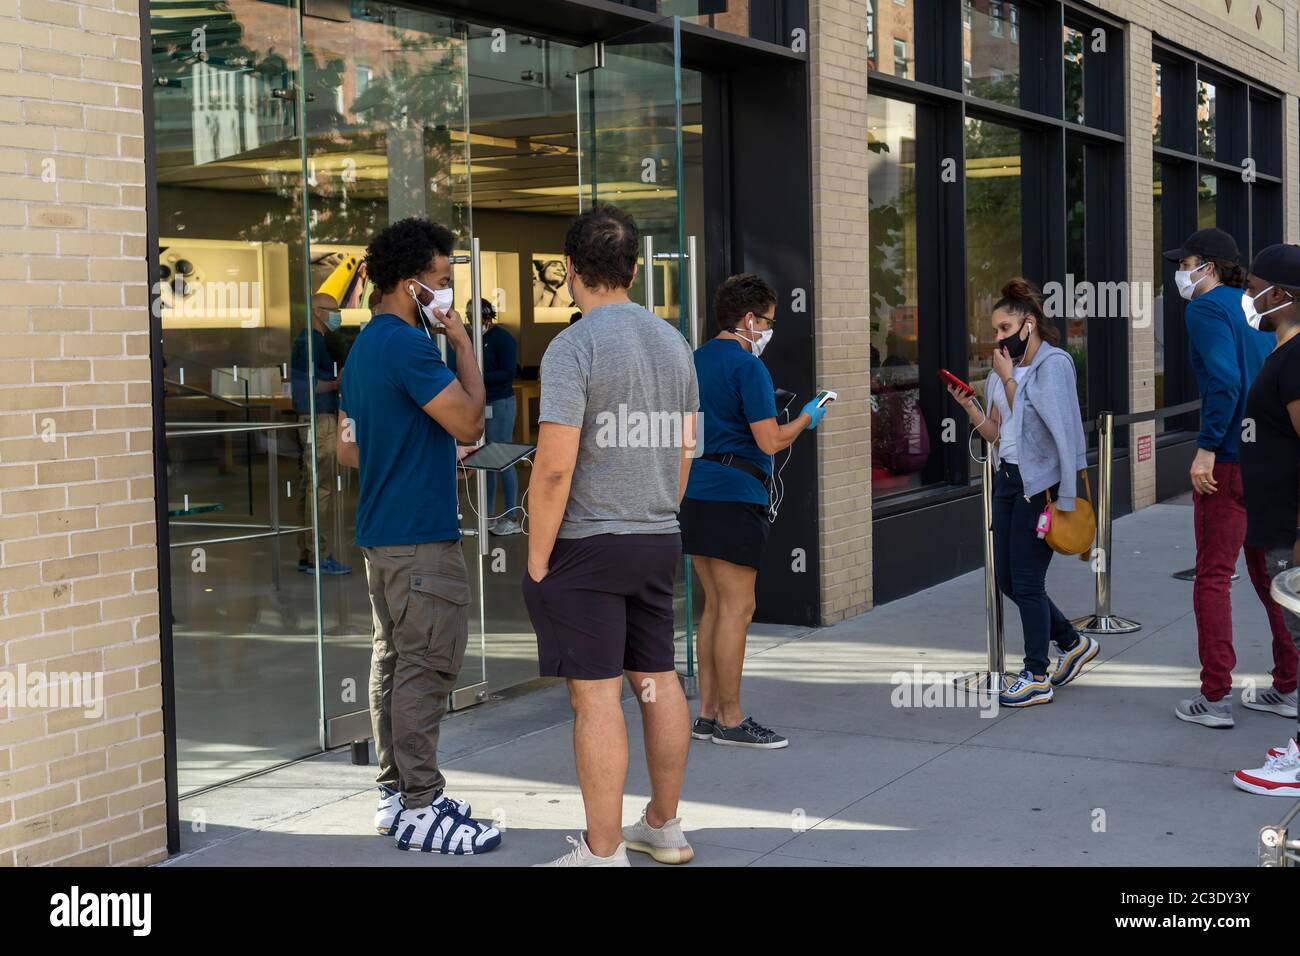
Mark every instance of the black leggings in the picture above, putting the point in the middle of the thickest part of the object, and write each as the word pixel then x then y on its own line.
pixel 1020 561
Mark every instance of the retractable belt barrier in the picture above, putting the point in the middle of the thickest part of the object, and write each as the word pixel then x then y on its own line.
pixel 990 679
pixel 1102 621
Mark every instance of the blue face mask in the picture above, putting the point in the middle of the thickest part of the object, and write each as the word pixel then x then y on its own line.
pixel 333 320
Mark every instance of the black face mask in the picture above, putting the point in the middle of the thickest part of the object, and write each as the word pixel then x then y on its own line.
pixel 1014 344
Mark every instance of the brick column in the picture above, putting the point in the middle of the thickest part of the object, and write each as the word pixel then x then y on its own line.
pixel 838 69
pixel 1142 259
pixel 78 566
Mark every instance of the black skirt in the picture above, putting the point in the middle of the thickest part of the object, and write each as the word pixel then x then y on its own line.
pixel 734 531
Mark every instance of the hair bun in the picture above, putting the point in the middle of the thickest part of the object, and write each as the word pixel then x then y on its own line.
pixel 1021 288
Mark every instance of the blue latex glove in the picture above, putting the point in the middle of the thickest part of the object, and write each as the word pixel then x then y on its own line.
pixel 813 412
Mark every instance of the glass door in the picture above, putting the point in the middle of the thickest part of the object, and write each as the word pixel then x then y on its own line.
pixel 630 129
pixel 226 85
pixel 386 137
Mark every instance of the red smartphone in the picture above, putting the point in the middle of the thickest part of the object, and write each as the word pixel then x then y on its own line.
pixel 955 382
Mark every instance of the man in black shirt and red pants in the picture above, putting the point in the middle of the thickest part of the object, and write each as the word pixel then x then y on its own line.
pixel 1270 465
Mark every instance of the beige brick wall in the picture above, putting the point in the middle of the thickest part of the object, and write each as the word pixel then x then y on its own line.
pixel 1142 265
pixel 78 565
pixel 837 65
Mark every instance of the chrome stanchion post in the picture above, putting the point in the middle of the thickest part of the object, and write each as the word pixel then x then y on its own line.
pixel 996 644
pixel 480 476
pixel 1102 621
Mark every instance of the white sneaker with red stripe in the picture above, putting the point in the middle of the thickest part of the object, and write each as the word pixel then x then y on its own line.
pixel 1279 777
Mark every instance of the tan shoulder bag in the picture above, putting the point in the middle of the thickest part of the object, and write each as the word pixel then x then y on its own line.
pixel 1072 532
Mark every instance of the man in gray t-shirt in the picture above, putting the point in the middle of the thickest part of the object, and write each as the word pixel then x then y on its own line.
pixel 615 440
pixel 627 379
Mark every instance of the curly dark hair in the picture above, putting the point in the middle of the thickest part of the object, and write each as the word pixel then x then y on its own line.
pixel 739 295
pixel 602 244
pixel 405 249
pixel 1229 272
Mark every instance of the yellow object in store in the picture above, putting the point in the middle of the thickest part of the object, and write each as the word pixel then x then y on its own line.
pixel 337 283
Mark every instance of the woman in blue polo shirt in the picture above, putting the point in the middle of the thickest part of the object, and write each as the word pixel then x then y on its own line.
pixel 725 514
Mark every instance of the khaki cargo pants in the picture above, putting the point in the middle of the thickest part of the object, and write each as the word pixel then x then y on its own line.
pixel 420 597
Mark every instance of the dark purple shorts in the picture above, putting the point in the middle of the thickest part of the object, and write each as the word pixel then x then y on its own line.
pixel 605 606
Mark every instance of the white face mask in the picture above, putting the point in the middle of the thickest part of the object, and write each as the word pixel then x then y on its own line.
pixel 756 345
pixel 1183 279
pixel 442 300
pixel 1248 306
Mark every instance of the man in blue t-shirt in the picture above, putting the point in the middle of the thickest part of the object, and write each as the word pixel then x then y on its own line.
pixel 401 415
pixel 1226 355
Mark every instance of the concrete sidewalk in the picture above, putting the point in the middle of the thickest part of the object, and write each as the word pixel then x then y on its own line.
pixel 1104 775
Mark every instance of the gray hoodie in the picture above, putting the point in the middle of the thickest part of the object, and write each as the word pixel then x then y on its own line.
pixel 1052 446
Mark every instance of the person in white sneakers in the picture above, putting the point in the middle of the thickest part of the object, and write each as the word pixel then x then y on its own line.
pixel 1270 468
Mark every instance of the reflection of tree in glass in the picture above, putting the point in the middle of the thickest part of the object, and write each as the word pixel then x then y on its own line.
pixel 1072 48
pixel 1205 119
pixel 1005 90
pixel 421 92
pixel 992 221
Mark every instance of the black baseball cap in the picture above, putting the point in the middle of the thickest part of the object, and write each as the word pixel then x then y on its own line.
pixel 1208 244
pixel 1278 265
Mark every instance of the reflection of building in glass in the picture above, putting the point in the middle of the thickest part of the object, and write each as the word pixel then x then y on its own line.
pixel 991 50
pixel 890 29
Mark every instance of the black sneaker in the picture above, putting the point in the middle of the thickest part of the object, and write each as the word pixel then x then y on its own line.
pixel 748 734
pixel 702 729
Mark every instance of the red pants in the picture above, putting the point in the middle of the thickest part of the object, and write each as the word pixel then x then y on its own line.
pixel 1220 521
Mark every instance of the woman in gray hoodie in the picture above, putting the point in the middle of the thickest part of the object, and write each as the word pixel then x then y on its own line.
pixel 1035 431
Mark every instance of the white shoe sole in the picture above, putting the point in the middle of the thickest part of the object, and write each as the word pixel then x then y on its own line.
pixel 1256 789
pixel 1031 702
pixel 664 854
pixel 695 736
pixel 741 743
pixel 1079 666
pixel 1206 720
pixel 1282 710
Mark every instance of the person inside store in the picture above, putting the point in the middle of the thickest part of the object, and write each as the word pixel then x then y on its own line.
pixel 728 508
pixel 604 543
pixel 1270 474
pixel 500 358
pixel 1226 354
pixel 401 415
pixel 1034 428
pixel 312 367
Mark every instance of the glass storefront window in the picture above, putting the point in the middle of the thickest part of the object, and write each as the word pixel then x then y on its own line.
pixel 1207 201
pixel 281 152
pixel 1158 284
pixel 992 47
pixel 993 232
pixel 1076 262
pixel 1206 119
pixel 891 40
pixel 899 437
pixel 1156 104
pixel 1072 41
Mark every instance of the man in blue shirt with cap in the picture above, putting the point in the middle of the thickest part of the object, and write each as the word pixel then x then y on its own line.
pixel 1226 355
